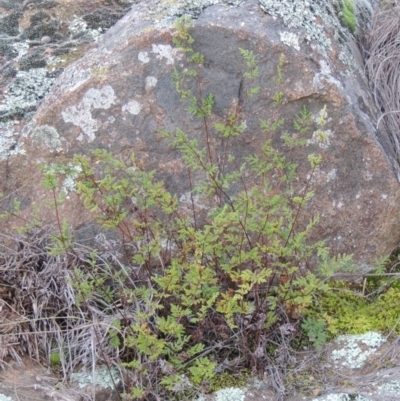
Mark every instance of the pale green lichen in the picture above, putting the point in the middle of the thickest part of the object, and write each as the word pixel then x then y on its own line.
pixel 230 394
pixel 342 397
pixel 133 107
pixel 48 136
pixel 143 57
pixel 290 39
pixel 151 82
pixel 351 354
pixel 167 11
pixel 303 15
pixel 103 377
pixel 25 93
pixel 391 388
pixel 10 144
pixel 81 115
pixel 22 48
pixel 78 27
pixel 163 52
pixel 227 394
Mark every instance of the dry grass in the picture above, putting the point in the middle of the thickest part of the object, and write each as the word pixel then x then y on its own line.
pixel 382 67
pixel 39 312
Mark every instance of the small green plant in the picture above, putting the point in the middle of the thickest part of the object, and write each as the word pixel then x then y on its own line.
pixel 55 360
pixel 349 15
pixel 278 98
pixel 268 126
pixel 302 121
pixel 279 69
pixel 316 331
pixel 252 72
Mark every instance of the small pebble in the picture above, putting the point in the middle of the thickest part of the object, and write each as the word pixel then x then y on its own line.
pixel 45 39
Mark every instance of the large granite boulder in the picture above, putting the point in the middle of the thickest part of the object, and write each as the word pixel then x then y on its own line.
pixel 120 93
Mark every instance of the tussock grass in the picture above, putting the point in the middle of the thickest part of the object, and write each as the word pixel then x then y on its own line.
pixel 382 67
pixel 39 313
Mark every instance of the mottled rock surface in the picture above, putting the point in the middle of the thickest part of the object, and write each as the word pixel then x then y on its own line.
pixel 120 93
pixel 38 38
pixel 367 370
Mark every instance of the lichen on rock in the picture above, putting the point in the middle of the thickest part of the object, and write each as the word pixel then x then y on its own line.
pixel 9 140
pixel 81 116
pixel 47 135
pixel 351 354
pixel 167 12
pixel 103 376
pixel 305 16
pixel 230 394
pixel 25 93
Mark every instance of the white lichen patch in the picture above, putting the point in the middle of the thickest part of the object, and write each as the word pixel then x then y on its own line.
pixel 230 394
pixel 26 91
pixel 73 78
pixel 102 377
pixel 167 11
pixel 331 175
pixel 302 14
pixel 22 48
pixel 391 389
pixel 132 107
pixel 290 39
pixel 151 82
pixel 342 397
pixel 5 398
pixel 356 349
pixel 10 145
pixel 81 115
pixel 322 138
pixel 78 25
pixel 94 34
pixel 144 57
pixel 337 204
pixel 325 75
pixel 368 176
pixel 163 52
pixel 47 135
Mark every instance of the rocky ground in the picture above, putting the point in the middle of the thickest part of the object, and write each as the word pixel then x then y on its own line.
pixel 352 368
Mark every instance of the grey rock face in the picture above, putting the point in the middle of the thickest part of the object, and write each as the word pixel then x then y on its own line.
pixel 9 24
pixel 41 35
